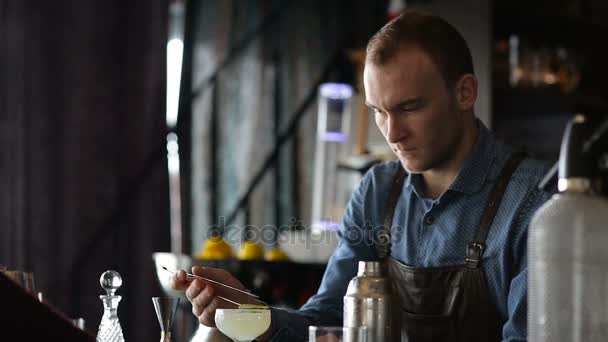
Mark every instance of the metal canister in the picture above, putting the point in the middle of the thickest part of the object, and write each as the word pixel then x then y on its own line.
pixel 367 303
pixel 567 254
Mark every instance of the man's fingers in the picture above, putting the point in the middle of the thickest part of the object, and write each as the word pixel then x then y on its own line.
pixel 208 316
pixel 197 310
pixel 223 277
pixel 202 294
pixel 181 275
pixel 179 281
pixel 194 289
pixel 201 300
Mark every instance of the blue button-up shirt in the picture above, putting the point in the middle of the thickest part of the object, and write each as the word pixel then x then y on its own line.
pixel 428 233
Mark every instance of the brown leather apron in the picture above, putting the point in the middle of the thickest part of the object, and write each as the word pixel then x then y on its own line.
pixel 450 303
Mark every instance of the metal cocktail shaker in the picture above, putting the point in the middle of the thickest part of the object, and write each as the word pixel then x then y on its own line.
pixel 367 302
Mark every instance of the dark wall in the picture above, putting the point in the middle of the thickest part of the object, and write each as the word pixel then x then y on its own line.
pixel 533 116
pixel 82 160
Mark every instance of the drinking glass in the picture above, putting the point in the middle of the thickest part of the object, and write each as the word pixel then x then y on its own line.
pixel 242 325
pixel 337 334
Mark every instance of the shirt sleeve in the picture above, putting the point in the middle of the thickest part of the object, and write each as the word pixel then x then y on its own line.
pixel 325 307
pixel 515 329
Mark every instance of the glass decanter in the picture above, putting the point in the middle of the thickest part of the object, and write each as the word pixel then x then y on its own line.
pixel 109 328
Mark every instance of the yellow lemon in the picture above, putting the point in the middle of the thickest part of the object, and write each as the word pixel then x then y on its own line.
pixel 251 251
pixel 276 254
pixel 215 248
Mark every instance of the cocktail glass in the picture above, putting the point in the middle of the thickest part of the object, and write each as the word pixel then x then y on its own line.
pixel 242 325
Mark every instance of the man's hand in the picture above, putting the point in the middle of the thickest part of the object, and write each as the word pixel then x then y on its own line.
pixel 203 294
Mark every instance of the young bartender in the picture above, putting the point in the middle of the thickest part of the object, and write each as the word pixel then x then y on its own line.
pixel 456 204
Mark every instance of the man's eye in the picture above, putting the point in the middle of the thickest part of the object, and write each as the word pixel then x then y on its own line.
pixel 412 107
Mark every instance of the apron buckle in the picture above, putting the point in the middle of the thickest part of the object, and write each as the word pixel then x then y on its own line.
pixel 474 252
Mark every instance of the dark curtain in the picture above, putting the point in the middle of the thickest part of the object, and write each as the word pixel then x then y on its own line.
pixel 82 160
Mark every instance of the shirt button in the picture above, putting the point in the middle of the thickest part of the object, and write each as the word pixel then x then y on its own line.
pixel 429 219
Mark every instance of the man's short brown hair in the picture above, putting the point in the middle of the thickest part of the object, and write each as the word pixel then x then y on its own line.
pixel 436 37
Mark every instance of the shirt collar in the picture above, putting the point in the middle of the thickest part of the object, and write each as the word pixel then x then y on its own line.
pixel 474 172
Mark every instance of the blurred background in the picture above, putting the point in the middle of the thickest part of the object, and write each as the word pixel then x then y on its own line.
pixel 135 127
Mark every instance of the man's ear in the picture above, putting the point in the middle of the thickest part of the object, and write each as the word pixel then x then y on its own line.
pixel 466 92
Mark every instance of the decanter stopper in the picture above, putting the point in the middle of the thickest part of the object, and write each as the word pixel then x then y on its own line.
pixel 110 281
pixel 109 328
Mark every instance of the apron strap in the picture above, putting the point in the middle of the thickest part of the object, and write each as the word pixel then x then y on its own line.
pixel 383 247
pixel 476 247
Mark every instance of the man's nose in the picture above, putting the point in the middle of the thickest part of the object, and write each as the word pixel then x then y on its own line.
pixel 395 130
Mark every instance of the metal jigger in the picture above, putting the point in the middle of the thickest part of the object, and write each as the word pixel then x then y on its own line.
pixel 165 308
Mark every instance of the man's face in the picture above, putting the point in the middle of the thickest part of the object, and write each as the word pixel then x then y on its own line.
pixel 415 110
